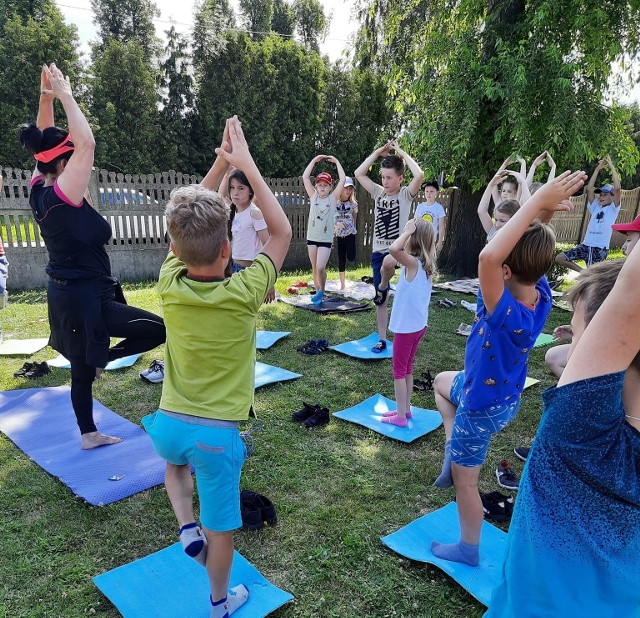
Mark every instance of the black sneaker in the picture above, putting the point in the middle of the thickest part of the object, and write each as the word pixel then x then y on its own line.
pixel 38 370
pixel 22 372
pixel 319 418
pixel 494 507
pixel 381 346
pixel 307 411
pixel 506 476
pixel 522 452
pixel 250 511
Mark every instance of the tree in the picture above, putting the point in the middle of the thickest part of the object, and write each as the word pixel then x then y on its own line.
pixel 283 20
pixel 212 19
pixel 476 81
pixel 357 118
pixel 177 103
pixel 124 104
pixel 311 22
pixel 32 35
pixel 127 20
pixel 256 17
pixel 282 134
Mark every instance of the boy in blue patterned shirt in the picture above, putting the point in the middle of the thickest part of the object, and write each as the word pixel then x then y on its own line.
pixel 513 305
pixel 573 542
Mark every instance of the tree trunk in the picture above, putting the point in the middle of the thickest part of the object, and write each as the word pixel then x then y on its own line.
pixel 466 237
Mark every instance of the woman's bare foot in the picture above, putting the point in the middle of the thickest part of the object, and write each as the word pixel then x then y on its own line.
pixel 94 439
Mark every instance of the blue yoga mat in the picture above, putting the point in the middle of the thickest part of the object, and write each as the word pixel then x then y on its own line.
pixel 268 374
pixel 414 542
pixel 40 421
pixel 172 585
pixel 266 338
pixel 370 411
pixel 361 348
pixel 120 363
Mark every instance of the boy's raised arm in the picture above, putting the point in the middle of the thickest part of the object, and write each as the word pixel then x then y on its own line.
pixel 416 170
pixel 612 339
pixel 220 166
pixel 279 228
pixel 483 206
pixel 617 186
pixel 591 185
pixel 363 169
pixel 534 166
pixel 552 196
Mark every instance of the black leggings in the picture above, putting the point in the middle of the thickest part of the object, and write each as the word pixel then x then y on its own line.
pixel 346 251
pixel 141 331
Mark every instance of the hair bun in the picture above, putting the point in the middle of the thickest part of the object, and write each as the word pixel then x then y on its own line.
pixel 31 138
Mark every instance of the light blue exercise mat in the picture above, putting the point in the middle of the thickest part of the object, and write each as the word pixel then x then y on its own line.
pixel 370 411
pixel 266 338
pixel 22 347
pixel 120 363
pixel 269 374
pixel 414 542
pixel 41 422
pixel 172 585
pixel 361 348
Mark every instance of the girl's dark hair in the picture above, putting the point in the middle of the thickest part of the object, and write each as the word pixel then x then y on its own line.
pixel 34 141
pixel 243 180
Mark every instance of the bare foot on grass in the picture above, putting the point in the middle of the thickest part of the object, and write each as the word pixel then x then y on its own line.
pixel 95 439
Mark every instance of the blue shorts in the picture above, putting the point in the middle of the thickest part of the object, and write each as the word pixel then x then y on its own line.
pixel 216 451
pixel 235 267
pixel 376 266
pixel 472 429
pixel 590 255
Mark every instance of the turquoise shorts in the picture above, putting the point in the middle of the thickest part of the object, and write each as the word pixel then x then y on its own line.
pixel 472 429
pixel 216 451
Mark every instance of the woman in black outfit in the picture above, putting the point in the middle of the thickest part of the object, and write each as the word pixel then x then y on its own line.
pixel 86 304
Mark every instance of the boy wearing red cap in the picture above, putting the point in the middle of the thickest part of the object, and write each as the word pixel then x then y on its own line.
pixel 321 218
pixel 604 205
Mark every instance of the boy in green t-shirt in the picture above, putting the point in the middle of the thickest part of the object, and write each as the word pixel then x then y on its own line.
pixel 210 360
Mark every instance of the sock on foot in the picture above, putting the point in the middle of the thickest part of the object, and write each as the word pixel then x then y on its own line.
pixel 445 479
pixel 219 608
pixel 236 597
pixel 194 542
pixel 457 552
pixel 393 413
pixel 395 420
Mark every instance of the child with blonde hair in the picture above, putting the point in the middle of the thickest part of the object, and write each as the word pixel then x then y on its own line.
pixel 415 250
pixel 345 229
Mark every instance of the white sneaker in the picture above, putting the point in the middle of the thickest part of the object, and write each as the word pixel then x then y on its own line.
pixel 155 373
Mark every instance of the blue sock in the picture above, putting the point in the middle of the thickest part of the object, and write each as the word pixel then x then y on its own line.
pixel 317 297
pixel 194 542
pixel 445 479
pixel 457 552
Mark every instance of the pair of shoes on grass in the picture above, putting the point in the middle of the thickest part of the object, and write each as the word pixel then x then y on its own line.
pixel 507 478
pixel 155 373
pixel 446 303
pixel 311 415
pixel 496 506
pixel 33 370
pixel 424 384
pixel 256 510
pixel 522 452
pixel 314 346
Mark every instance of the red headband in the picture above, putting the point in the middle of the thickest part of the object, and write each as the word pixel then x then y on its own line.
pixel 47 156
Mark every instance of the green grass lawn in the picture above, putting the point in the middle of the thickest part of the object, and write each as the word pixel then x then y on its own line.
pixel 337 489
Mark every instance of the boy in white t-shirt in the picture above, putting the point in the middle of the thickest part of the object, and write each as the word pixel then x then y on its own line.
pixel 604 211
pixel 392 203
pixel 432 211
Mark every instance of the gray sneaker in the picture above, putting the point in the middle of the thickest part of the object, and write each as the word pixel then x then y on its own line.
pixel 155 373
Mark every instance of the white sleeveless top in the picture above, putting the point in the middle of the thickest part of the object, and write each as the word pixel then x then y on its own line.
pixel 245 244
pixel 410 311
